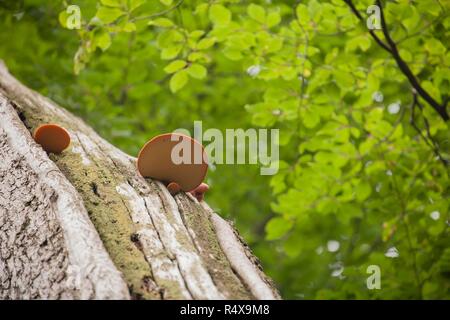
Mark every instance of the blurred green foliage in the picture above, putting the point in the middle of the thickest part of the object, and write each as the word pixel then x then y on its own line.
pixel 358 184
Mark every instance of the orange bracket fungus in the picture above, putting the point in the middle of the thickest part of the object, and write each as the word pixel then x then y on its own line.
pixel 52 137
pixel 175 159
pixel 199 192
pixel 173 188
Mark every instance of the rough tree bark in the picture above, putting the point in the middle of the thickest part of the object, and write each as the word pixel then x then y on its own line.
pixel 85 225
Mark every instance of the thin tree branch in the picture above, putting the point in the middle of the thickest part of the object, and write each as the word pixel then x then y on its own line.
pixel 391 47
pixel 372 32
pixel 158 13
pixel 421 31
pixel 407 71
pixel 428 139
pixel 404 220
pixel 394 127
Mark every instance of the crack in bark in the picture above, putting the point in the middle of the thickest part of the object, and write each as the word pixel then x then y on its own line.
pixel 197 220
pixel 27 236
pixel 242 260
pixel 168 254
pixel 129 212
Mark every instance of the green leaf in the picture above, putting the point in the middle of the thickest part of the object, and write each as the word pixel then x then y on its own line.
pixel 406 55
pixel 343 79
pixel 201 9
pixel 205 43
pixel 277 183
pixel 434 46
pixel 161 22
pixel 277 227
pixel 365 43
pixel 169 37
pixel 62 17
pixel 433 90
pixel 315 10
pixel 134 4
pixel 195 56
pixel 273 19
pixel 232 54
pixel 310 119
pixel 302 13
pixel 361 42
pixel 363 191
pixel 166 2
pixel 196 34
pixel 129 27
pixel 102 40
pixel 111 3
pixel 219 15
pixel 197 71
pixel 108 15
pixel 292 246
pixel 257 13
pixel 170 52
pixel 412 21
pixel 174 66
pixel 178 80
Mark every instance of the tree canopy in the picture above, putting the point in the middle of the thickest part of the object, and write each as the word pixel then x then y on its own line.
pixel 362 114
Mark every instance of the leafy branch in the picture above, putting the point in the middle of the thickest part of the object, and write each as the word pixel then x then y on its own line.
pixel 371 31
pixel 303 80
pixel 391 47
pixel 428 138
pixel 154 15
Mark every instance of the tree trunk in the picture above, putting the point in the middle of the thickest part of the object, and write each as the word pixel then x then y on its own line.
pixel 85 225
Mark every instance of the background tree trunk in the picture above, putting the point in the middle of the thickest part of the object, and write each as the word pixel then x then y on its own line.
pixel 85 225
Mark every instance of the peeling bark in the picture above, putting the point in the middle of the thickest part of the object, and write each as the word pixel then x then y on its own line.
pixel 85 225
